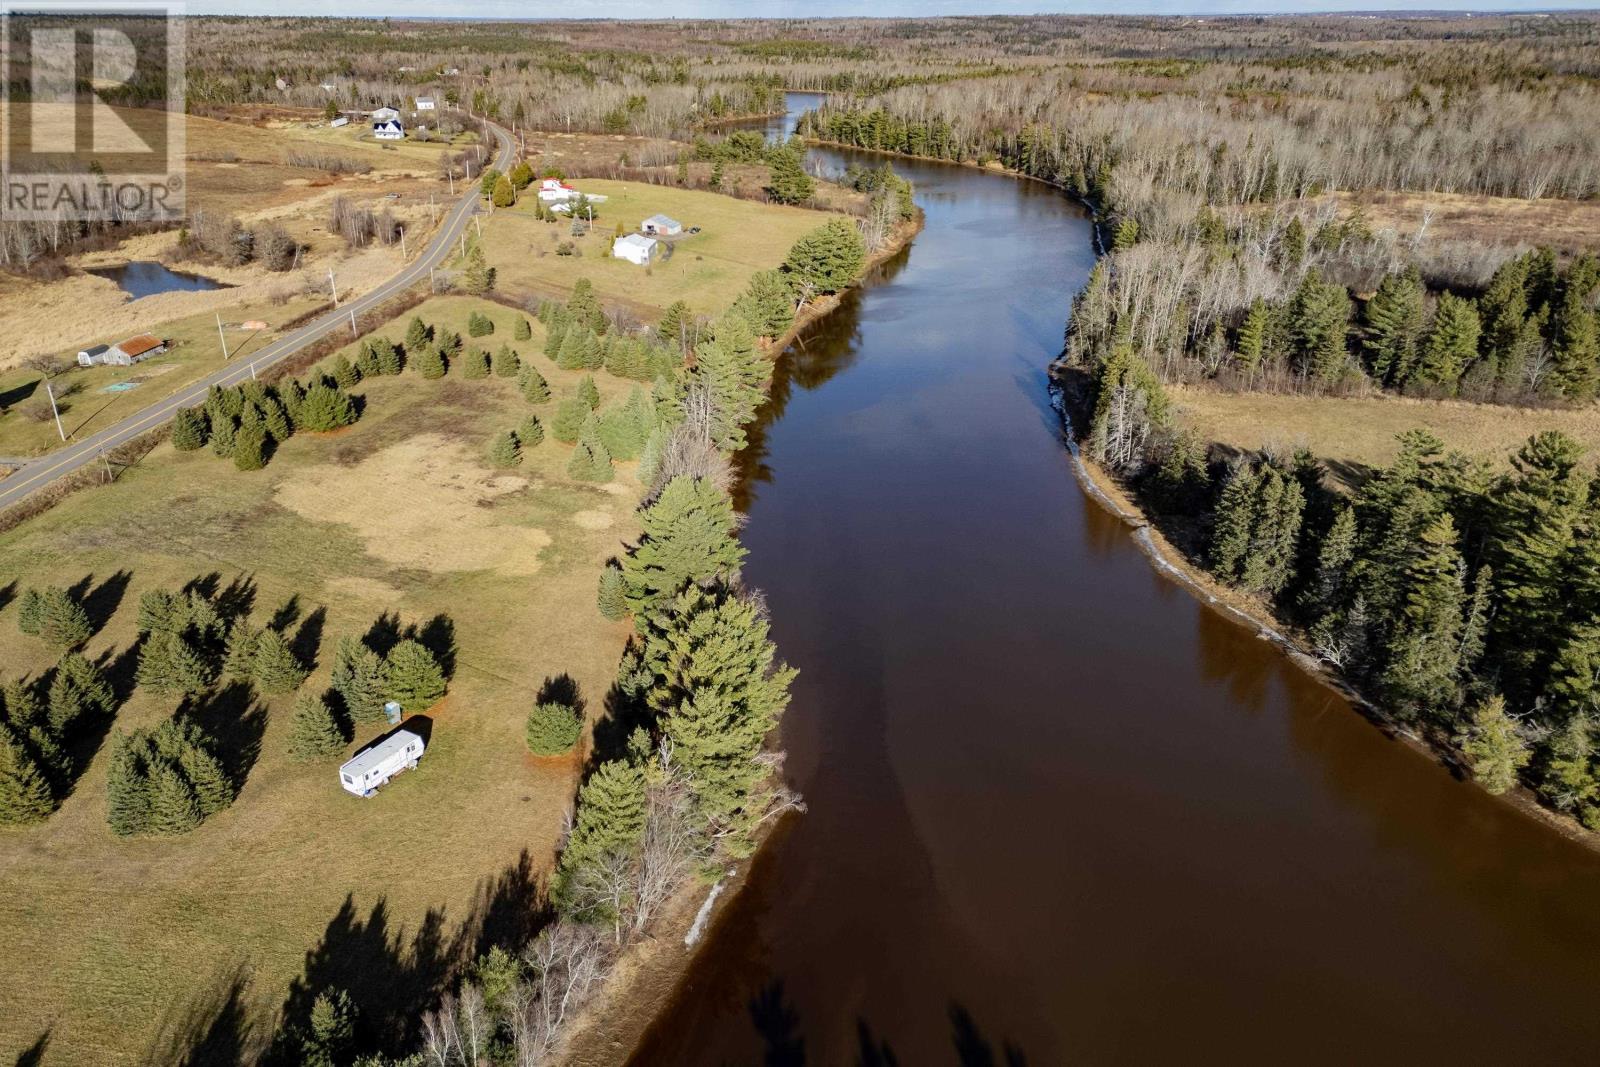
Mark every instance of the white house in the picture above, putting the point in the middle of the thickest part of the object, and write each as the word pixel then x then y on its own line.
pixel 390 130
pixel 662 226
pixel 384 114
pixel 427 103
pixel 373 767
pixel 635 248
pixel 554 190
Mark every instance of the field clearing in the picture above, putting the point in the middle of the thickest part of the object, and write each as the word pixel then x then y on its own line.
pixel 122 951
pixel 708 270
pixel 1357 433
pixel 1566 225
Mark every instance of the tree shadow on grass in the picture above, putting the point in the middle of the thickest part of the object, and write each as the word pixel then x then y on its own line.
pixel 33 1055
pixel 100 602
pixel 235 721
pixel 437 635
pixel 383 634
pixel 287 615
pixel 121 668
pixel 8 593
pixel 624 714
pixel 221 1027
pixel 233 601
pixel 307 641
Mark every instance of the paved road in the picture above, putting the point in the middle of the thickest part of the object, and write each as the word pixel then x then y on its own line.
pixel 38 473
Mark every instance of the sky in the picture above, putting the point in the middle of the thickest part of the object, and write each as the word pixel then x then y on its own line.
pixel 534 9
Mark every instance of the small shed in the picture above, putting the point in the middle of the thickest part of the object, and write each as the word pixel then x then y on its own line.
pixel 373 767
pixel 635 248
pixel 661 226
pixel 94 354
pixel 342 120
pixel 390 130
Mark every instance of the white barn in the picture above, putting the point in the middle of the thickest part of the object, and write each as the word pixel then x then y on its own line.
pixel 373 767
pixel 635 248
pixel 661 225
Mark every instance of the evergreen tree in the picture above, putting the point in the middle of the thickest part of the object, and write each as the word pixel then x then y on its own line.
pixel 276 669
pixel 583 308
pixel 63 623
pixel 613 599
pixel 30 612
pixel 1494 749
pixel 478 277
pixel 325 408
pixel 1235 519
pixel 521 330
pixel 553 729
pixel 389 358
pixel 828 258
pixel 418 334
pixel 1129 406
pixel 78 689
pixel 674 324
pixel 736 373
pixel 590 461
pixel 25 795
pixel 555 337
pixel 170 663
pixel 1569 779
pixel 789 183
pixel 1452 342
pixel 430 363
pixel 1334 557
pixel 1318 317
pixel 239 661
pixel 174 808
pixel 506 362
pixel 250 448
pixel 1294 242
pixel 314 732
pixel 574 342
pixel 687 539
pixel 1394 320
pixel 569 419
pixel 189 430
pixel 767 304
pixel 475 364
pixel 530 433
pixel 361 678
pixel 592 356
pixel 329 1035
pixel 1425 650
pixel 1274 540
pixel 505 452
pixel 610 821
pixel 344 372
pixel 415 679
pixel 534 388
pixel 367 360
pixel 207 780
pixel 589 392
pixel 1126 235
pixel 128 794
pixel 503 194
pixel 1251 343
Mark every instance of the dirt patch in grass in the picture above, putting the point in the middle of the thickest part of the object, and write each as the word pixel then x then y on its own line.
pixel 593 519
pixel 398 499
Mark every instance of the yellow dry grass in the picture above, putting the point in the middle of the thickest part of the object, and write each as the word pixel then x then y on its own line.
pixel 1359 432
pixel 1567 225
pixel 397 500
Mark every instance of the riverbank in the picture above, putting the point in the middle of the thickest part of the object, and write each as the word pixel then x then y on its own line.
pixel 1115 497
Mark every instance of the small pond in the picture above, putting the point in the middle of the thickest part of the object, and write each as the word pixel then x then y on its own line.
pixel 147 278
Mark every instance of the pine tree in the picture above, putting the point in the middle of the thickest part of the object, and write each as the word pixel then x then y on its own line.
pixel 430 363
pixel 505 451
pixel 788 182
pixel 189 430
pixel 506 362
pixel 207 780
pixel 344 372
pixel 592 355
pixel 1294 242
pixel 1334 556
pixel 475 364
pixel 25 795
pixel 389 358
pixel 555 337
pixel 687 539
pixel 1452 342
pixel 330 1031
pixel 239 660
pixel 415 679
pixel 1129 406
pixel 590 461
pixel 1275 535
pixel 553 729
pixel 1424 652
pixel 276 669
pixel 569 419
pixel 828 258
pixel 503 194
pixel 250 448
pixel 589 392
pixel 314 733
pixel 767 303
pixel 1126 235
pixel 1493 747
pixel 674 323
pixel 583 308
pixel 521 330
pixel 1569 779
pixel 325 408
pixel 479 277
pixel 174 809
pixel 1394 320
pixel 530 433
pixel 30 612
pixel 63 623
pixel 1318 318
pixel 736 373
pixel 1251 344
pixel 719 692
pixel 78 689
pixel 418 334
pixel 361 678
pixel 1235 519
pixel 573 345
pixel 613 594
pixel 169 663
pixel 610 821
pixel 535 390
pixel 128 794
pixel 367 360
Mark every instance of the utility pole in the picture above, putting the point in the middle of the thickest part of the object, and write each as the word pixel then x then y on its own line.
pixel 403 253
pixel 51 393
pixel 334 286
pixel 222 337
pixel 476 221
pixel 450 172
pixel 433 286
pixel 353 331
pixel 252 370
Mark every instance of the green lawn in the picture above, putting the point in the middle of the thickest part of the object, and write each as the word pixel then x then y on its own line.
pixel 112 945
pixel 708 270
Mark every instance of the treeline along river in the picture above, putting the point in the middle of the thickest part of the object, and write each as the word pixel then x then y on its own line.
pixel 1056 805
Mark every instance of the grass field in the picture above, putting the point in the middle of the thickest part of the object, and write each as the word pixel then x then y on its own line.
pixel 1354 434
pixel 708 269
pixel 124 951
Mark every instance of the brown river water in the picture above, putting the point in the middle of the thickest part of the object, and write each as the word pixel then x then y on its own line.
pixel 1060 812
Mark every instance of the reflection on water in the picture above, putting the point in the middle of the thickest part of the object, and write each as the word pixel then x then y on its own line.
pixel 147 278
pixel 1058 809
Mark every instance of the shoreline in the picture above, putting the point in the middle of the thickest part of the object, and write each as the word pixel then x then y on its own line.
pixel 1108 492
pixel 610 1026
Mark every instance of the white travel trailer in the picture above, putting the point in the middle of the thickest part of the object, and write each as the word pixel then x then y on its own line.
pixel 372 768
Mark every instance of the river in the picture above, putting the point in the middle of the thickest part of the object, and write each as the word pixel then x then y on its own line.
pixel 1059 809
